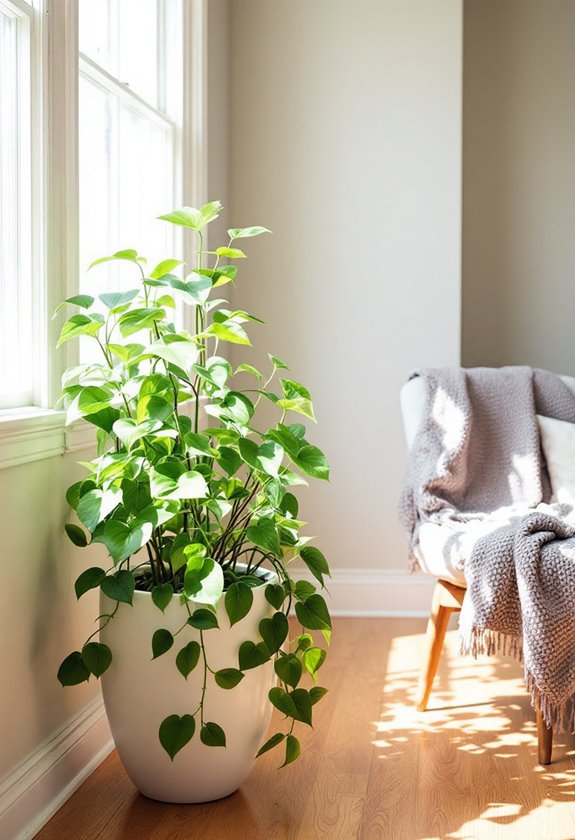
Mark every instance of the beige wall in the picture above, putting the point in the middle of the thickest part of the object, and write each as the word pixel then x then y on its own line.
pixel 345 139
pixel 519 183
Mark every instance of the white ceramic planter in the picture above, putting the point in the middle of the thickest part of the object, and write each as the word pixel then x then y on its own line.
pixel 140 692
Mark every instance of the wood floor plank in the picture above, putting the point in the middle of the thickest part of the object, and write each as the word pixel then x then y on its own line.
pixel 374 768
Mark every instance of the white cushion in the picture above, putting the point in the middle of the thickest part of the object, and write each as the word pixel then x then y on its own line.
pixel 558 441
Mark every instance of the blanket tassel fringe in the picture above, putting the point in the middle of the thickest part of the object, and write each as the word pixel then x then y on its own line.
pixel 485 642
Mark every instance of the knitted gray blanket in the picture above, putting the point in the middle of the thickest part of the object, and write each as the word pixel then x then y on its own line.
pixel 477 455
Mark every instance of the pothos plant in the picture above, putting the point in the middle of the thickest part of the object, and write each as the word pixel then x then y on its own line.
pixel 190 497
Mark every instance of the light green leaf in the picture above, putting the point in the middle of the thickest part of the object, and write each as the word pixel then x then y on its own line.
pixel 138 319
pixel 95 505
pixel 313 658
pixel 230 253
pixel 231 332
pixel 245 233
pixel 300 405
pixel 277 363
pixel 191 485
pixel 129 254
pixel 181 353
pixel 90 400
pixel 81 325
pixel 204 585
pixel 164 267
pixel 115 299
pixel 83 301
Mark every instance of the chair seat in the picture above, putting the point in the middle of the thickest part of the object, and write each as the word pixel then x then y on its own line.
pixel 443 549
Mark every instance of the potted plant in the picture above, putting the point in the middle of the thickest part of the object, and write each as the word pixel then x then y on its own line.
pixel 194 503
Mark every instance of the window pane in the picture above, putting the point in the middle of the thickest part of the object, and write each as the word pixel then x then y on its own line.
pixel 121 36
pixel 16 366
pixel 138 47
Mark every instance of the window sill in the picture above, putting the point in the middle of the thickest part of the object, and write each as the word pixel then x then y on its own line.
pixel 32 434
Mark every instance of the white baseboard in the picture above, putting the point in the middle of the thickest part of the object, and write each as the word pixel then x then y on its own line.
pixel 377 592
pixel 32 792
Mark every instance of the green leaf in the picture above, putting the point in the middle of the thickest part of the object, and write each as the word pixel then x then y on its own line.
pixel 315 561
pixel 175 732
pixel 244 368
pixel 230 253
pixel 97 657
pixel 251 655
pixel 206 584
pixel 210 211
pixel 275 595
pixel 83 301
pixel 228 459
pixel 303 590
pixel 292 749
pixel 162 641
pixel 289 669
pixel 81 325
pixel 76 534
pixel 238 601
pixel 138 319
pixel 231 332
pixel 212 735
pixel 245 233
pixel 277 363
pixel 162 595
pixel 313 613
pixel 316 693
pixel 270 456
pixel 264 534
pixel 164 267
pixel 293 389
pixel 302 702
pixel 129 254
pixel 313 658
pixel 123 540
pixel 228 677
pixel 191 485
pixel 193 218
pixel 73 671
pixel 95 505
pixel 90 579
pixel 119 587
pixel 89 400
pixel 312 461
pixel 182 353
pixel 115 299
pixel 203 619
pixel 136 495
pixel 274 631
pixel 272 742
pixel 188 658
pixel 198 444
pixel 282 701
pixel 300 405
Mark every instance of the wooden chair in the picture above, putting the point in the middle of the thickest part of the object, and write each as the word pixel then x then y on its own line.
pixel 447 599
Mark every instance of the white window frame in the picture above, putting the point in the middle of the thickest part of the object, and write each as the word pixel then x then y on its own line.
pixel 34 432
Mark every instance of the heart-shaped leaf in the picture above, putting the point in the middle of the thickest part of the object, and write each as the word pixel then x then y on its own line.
pixel 175 732
pixel 162 595
pixel 274 631
pixel 212 735
pixel 162 641
pixel 120 586
pixel 73 671
pixel 228 677
pixel 251 655
pixel 238 601
pixel 97 657
pixel 188 658
pixel 90 579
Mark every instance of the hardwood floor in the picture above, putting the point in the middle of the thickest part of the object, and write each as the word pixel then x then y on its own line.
pixel 375 768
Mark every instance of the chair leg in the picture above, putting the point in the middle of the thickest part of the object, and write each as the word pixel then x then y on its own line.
pixel 544 740
pixel 436 628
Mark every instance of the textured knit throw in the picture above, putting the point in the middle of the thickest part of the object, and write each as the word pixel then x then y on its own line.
pixel 477 456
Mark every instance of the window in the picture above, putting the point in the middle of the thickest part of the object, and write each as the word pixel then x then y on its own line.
pixel 130 115
pixel 102 129
pixel 17 384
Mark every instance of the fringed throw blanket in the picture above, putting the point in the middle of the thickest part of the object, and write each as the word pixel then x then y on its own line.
pixel 477 456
